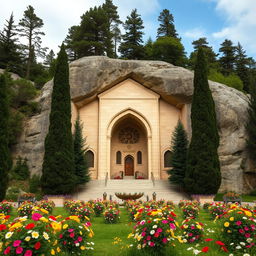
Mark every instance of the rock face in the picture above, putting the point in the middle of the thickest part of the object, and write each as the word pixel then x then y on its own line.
pixel 90 76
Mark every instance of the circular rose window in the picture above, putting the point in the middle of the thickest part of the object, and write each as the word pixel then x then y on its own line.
pixel 129 135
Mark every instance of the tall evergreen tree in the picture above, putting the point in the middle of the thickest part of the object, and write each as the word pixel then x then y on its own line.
pixel 179 155
pixel 131 47
pixel 251 124
pixel 30 28
pixel 242 69
pixel 80 147
pixel 166 27
pixel 228 58
pixel 10 57
pixel 58 165
pixel 203 170
pixel 70 41
pixel 210 55
pixel 4 150
pixel 112 27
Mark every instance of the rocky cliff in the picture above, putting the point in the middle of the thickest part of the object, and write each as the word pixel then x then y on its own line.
pixel 90 76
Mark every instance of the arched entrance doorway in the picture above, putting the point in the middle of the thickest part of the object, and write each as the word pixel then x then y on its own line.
pixel 129 148
pixel 129 166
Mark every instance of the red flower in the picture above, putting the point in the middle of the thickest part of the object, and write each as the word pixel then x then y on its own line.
pixel 30 226
pixel 52 218
pixel 205 249
pixel 224 249
pixel 208 239
pixel 2 227
pixel 37 245
pixel 7 217
pixel 7 250
pixel 219 243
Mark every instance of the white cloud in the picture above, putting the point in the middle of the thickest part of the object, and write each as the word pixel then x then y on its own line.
pixel 241 22
pixel 194 33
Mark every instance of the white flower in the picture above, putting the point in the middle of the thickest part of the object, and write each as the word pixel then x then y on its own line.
pixel 238 247
pixel 242 243
pixel 152 232
pixel 155 226
pixel 246 254
pixel 190 248
pixel 245 218
pixel 249 240
pixel 196 252
pixel 77 244
pixel 8 235
pixel 231 254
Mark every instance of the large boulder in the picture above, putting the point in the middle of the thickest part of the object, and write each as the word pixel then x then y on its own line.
pixel 90 76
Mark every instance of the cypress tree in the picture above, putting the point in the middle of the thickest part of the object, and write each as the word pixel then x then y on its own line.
pixel 4 150
pixel 81 166
pixel 251 124
pixel 58 165
pixel 179 155
pixel 203 170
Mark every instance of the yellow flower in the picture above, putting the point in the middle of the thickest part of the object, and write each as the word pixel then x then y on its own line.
pixel 226 224
pixel 231 218
pixel 199 226
pixel 229 231
pixel 44 211
pixel 35 234
pixel 91 234
pixel 130 235
pixel 75 218
pixel 82 248
pixel 65 226
pixel 56 226
pixel 16 226
pixel 55 242
pixel 52 252
pixel 44 219
pixel 27 238
pixel 248 213
pixel 58 249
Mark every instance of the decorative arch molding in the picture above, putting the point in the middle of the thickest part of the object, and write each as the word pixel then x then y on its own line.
pixel 127 112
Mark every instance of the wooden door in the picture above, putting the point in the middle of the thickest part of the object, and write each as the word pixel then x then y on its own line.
pixel 129 166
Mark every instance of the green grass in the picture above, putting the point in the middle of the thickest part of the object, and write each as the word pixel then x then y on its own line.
pixel 245 198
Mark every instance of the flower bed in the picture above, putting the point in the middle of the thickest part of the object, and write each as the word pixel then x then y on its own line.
pixel 111 215
pixel 5 207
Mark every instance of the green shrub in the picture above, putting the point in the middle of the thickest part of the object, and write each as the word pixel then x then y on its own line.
pixel 231 80
pixel 34 183
pixel 15 126
pixel 12 194
pixel 253 193
pixel 30 109
pixel 21 170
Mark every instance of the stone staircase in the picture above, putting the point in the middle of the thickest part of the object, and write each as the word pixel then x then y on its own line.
pixel 95 189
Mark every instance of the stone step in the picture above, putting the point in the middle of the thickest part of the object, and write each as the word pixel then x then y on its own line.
pixel 163 189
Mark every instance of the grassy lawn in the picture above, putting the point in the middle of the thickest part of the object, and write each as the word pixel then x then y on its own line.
pixel 105 234
pixel 245 198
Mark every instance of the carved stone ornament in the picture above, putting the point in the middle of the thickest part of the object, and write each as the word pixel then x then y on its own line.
pixel 129 135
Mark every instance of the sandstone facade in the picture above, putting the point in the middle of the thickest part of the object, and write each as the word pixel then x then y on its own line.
pixel 91 76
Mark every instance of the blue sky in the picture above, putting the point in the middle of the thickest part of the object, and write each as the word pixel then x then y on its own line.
pixel 214 19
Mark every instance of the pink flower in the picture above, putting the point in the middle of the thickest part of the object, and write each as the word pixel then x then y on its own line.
pixel 164 221
pixel 247 235
pixel 159 230
pixel 72 235
pixel 190 234
pixel 238 223
pixel 19 250
pixel 246 228
pixel 172 226
pixel 148 238
pixel 192 227
pixel 36 216
pixel 241 231
pixel 70 230
pixel 16 243
pixel 143 233
pixel 7 250
pixel 28 253
pixel 164 240
pixel 79 239
pixel 151 244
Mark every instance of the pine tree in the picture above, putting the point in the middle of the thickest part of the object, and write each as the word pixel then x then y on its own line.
pixel 131 47
pixel 210 55
pixel 179 155
pixel 242 69
pixel 251 124
pixel 167 27
pixel 30 28
pixel 58 165
pixel 203 170
pixel 80 147
pixel 228 58
pixel 10 56
pixel 112 27
pixel 4 150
